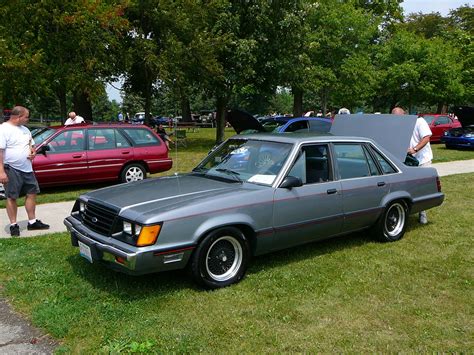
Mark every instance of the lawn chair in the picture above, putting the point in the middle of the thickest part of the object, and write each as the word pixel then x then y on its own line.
pixel 181 137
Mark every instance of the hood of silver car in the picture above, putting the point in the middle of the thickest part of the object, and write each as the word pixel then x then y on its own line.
pixel 392 132
pixel 165 192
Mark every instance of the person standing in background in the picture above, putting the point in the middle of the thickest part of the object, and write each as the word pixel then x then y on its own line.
pixel 420 148
pixel 74 119
pixel 16 169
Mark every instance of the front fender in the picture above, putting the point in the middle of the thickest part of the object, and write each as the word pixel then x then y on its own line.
pixel 222 221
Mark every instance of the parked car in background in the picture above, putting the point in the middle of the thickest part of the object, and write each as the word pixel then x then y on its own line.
pixel 243 122
pixel 139 118
pixel 462 137
pixel 439 124
pixel 93 153
pixel 253 195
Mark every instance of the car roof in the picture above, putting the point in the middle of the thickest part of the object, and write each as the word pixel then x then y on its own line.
pixel 303 137
pixel 98 125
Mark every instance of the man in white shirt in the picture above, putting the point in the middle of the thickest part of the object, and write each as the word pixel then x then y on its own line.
pixel 74 119
pixel 16 169
pixel 419 147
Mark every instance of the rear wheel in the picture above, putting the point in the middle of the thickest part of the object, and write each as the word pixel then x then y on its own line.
pixel 221 258
pixel 392 224
pixel 133 172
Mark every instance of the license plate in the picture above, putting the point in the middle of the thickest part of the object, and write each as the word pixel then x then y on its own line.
pixel 85 251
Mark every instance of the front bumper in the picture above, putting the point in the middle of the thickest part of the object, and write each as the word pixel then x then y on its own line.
pixel 123 257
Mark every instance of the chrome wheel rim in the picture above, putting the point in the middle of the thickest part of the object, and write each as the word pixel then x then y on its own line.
pixel 134 174
pixel 395 220
pixel 224 258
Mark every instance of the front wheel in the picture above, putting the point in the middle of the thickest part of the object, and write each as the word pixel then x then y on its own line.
pixel 392 224
pixel 221 258
pixel 133 172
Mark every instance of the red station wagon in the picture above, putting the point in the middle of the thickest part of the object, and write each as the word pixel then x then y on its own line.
pixel 439 124
pixel 92 153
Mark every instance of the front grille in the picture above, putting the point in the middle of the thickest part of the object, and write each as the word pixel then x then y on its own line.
pixel 100 218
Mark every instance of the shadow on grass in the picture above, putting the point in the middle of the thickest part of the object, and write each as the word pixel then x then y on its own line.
pixel 128 287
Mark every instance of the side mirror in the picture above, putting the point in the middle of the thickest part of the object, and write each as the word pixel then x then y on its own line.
pixel 43 149
pixel 291 181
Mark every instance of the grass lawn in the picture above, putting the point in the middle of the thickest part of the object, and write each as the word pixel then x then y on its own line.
pixel 441 154
pixel 186 158
pixel 349 294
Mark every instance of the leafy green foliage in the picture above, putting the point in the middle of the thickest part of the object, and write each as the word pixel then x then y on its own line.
pixel 177 56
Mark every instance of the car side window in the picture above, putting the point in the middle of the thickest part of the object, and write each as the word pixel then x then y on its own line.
pixel 120 140
pixel 387 168
pixel 67 142
pixel 351 161
pixel 372 164
pixel 141 136
pixel 101 138
pixel 442 120
pixel 312 164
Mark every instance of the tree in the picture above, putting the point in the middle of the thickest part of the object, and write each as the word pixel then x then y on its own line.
pixel 418 70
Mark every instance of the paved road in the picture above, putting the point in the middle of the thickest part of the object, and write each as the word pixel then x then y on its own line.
pixel 18 337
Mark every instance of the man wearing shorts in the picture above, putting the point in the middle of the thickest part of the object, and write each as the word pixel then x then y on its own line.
pixel 16 169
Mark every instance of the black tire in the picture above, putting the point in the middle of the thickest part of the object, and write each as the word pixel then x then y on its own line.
pixel 392 224
pixel 221 258
pixel 133 172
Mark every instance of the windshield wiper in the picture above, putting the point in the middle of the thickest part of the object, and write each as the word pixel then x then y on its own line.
pixel 200 169
pixel 230 172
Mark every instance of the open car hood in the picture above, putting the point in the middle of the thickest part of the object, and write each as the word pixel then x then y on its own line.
pixel 465 115
pixel 241 121
pixel 392 132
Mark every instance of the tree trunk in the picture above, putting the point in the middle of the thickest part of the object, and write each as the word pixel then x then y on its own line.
pixel 82 104
pixel 61 94
pixel 297 102
pixel 324 101
pixel 185 109
pixel 220 119
pixel 442 108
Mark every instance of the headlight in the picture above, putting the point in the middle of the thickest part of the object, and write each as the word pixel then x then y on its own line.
pixel 469 135
pixel 445 133
pixel 127 228
pixel 82 206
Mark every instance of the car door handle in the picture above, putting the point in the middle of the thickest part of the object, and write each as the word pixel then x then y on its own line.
pixel 77 156
pixel 126 152
pixel 331 191
pixel 381 183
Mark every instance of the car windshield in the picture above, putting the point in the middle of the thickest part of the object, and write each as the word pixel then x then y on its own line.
pixel 40 135
pixel 243 160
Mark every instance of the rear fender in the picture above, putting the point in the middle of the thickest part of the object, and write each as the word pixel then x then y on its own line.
pixel 397 195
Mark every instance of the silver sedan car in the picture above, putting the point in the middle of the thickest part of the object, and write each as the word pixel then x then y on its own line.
pixel 254 194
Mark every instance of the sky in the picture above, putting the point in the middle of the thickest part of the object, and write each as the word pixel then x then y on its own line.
pixel 409 6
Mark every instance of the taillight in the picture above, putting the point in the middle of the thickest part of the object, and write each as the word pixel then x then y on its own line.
pixel 438 183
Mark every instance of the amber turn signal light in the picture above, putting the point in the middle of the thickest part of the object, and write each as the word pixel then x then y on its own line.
pixel 148 235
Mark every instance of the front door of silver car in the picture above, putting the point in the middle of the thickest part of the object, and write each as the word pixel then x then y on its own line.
pixel 312 211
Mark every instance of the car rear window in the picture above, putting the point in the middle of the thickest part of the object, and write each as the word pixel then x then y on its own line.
pixel 141 136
